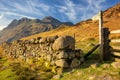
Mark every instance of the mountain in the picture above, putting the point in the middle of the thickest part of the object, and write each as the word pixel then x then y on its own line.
pixel 113 11
pixel 87 29
pixel 25 27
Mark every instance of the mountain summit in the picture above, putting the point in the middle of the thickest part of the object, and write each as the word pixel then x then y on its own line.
pixel 26 27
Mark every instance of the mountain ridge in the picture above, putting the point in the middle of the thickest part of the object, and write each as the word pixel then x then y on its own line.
pixel 26 27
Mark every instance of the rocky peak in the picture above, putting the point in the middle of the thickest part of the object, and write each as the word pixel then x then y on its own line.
pixel 13 23
pixel 36 20
pixel 26 27
pixel 49 19
pixel 24 19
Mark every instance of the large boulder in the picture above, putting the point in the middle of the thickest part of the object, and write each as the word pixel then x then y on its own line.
pixel 63 43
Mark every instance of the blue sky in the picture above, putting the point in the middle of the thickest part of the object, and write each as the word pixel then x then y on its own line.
pixel 63 10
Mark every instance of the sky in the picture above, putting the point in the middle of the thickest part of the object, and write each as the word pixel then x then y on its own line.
pixel 63 10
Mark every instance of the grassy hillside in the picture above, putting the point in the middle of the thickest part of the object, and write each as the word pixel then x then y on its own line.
pixel 86 32
pixel 82 30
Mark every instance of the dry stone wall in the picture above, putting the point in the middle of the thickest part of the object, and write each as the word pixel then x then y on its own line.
pixel 59 51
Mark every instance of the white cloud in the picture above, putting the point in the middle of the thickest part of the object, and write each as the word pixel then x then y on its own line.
pixel 17 14
pixel 1 27
pixel 28 8
pixel 68 9
pixel 94 6
pixel 1 16
pixel 4 22
pixel 37 4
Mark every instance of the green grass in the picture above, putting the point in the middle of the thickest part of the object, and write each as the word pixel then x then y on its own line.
pixel 7 74
pixel 85 71
pixel 86 44
pixel 26 71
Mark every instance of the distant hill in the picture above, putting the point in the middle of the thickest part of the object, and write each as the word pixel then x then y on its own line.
pixel 25 27
pixel 87 29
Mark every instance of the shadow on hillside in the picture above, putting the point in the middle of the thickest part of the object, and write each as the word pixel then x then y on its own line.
pixel 93 59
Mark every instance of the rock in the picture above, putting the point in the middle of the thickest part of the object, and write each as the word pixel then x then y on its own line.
pixel 51 39
pixel 27 42
pixel 75 63
pixel 4 44
pixel 95 65
pixel 38 38
pixel 49 57
pixel 32 40
pixel 61 63
pixel 30 51
pixel 106 65
pixel 64 42
pixel 91 77
pixel 53 62
pixel 82 59
pixel 71 55
pixel 43 40
pixel 104 77
pixel 62 55
pixel 77 54
pixel 60 70
pixel 116 65
pixel 36 41
pixel 16 41
pixel 57 76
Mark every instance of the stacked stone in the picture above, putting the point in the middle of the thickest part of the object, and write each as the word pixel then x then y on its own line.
pixel 59 51
pixel 66 55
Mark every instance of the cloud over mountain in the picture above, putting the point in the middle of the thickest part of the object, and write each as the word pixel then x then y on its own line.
pixel 65 10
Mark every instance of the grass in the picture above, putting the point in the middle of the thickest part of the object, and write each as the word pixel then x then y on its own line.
pixel 90 73
pixel 87 72
pixel 7 74
pixel 84 72
pixel 15 70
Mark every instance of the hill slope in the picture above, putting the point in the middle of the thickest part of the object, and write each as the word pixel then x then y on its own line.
pixel 26 27
pixel 89 28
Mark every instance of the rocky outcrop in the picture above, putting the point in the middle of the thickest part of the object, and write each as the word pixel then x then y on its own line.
pixel 58 51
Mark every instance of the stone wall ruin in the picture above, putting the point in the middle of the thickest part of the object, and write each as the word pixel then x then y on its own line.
pixel 59 51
